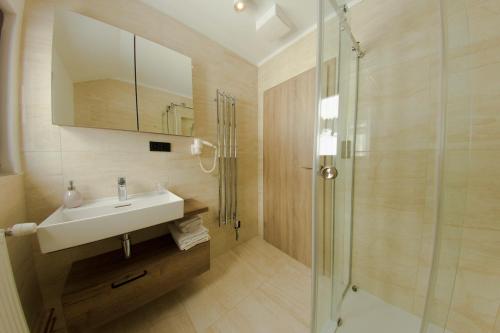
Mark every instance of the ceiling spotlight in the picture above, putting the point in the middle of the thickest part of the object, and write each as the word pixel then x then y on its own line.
pixel 239 5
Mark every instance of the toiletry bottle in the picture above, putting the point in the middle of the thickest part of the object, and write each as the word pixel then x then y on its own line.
pixel 72 198
pixel 122 189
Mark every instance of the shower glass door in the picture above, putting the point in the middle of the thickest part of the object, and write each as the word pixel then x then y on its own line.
pixel 455 163
pixel 334 162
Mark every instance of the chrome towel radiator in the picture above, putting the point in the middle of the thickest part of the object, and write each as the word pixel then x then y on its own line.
pixel 228 167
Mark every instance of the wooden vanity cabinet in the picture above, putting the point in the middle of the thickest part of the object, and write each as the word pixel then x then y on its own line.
pixel 105 287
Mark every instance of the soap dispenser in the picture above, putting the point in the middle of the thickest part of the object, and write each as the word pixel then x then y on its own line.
pixel 72 198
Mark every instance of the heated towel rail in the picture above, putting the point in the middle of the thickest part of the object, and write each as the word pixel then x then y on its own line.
pixel 228 169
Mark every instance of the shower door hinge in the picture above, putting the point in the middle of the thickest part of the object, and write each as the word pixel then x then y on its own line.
pixel 346 149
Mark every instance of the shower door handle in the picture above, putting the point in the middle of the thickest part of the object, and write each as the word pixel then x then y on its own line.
pixel 328 172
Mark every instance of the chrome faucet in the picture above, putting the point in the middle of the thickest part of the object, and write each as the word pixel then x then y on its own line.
pixel 122 189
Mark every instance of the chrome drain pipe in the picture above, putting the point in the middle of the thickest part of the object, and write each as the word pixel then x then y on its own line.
pixel 126 246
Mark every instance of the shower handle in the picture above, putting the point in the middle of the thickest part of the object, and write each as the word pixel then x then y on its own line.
pixel 328 172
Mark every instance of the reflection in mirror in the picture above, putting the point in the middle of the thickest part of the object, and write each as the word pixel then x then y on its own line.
pixel 92 74
pixel 164 89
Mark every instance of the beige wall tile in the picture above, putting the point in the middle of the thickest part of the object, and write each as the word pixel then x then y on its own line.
pixel 389 216
pixel 89 140
pixel 43 195
pixel 395 104
pixel 497 326
pixel 448 256
pixel 483 195
pixel 483 15
pixel 477 291
pixel 456 170
pixel 39 134
pixel 43 163
pixel 486 121
pixel 413 19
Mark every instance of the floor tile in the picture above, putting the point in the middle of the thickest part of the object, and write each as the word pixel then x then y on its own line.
pixel 258 314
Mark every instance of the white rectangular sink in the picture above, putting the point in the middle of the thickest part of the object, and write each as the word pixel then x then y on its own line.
pixel 104 218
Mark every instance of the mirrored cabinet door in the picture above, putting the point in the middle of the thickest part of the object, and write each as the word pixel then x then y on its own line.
pixel 164 89
pixel 93 81
pixel 105 77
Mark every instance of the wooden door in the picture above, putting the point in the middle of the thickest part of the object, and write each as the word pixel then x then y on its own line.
pixel 289 110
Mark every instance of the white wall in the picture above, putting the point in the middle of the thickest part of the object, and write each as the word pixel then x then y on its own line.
pixel 10 155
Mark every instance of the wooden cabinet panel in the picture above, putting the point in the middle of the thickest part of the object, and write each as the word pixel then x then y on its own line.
pixel 289 110
pixel 105 287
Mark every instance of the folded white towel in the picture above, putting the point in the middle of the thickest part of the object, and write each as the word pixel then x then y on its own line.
pixel 187 221
pixel 190 225
pixel 185 241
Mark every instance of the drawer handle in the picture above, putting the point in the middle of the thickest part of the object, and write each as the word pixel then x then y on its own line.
pixel 118 284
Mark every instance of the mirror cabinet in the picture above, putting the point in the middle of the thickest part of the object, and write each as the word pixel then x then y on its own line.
pixel 105 77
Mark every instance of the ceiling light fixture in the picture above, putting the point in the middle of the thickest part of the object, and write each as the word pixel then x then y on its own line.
pixel 239 5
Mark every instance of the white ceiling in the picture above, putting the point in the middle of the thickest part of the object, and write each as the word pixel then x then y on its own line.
pixel 218 20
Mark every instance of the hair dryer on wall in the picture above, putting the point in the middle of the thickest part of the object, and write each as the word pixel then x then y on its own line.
pixel 197 149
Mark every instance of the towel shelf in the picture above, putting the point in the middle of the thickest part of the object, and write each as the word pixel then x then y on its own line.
pixel 157 267
pixel 193 207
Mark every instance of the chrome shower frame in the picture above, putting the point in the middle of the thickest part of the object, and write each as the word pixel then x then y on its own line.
pixel 344 28
pixel 227 147
pixel 344 25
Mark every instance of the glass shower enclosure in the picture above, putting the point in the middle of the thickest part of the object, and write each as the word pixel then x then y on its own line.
pixel 341 140
pixel 333 183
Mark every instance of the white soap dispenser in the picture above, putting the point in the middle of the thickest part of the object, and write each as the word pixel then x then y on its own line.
pixel 72 198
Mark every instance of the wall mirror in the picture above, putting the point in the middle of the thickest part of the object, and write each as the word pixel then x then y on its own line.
pixel 105 77
pixel 164 89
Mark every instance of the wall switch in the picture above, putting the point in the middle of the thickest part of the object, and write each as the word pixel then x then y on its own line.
pixel 159 146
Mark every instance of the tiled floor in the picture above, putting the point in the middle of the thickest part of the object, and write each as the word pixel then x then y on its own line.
pixel 254 288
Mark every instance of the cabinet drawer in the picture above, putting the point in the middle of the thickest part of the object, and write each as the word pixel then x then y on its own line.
pixel 105 287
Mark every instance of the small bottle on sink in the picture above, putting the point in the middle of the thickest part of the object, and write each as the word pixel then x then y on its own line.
pixel 72 198
pixel 122 189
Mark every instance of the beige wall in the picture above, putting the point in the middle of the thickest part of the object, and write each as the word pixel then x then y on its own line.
pixel 94 158
pixel 395 174
pixel 473 186
pixel 395 171
pixel 12 211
